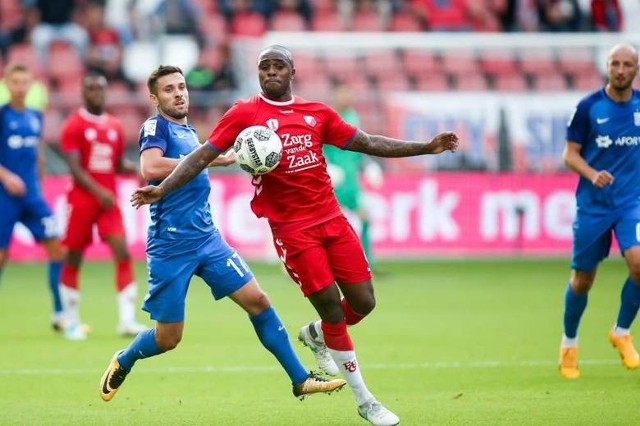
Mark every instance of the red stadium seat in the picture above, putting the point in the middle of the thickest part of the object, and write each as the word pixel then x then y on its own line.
pixel 342 64
pixel 356 82
pixel 405 22
pixel 396 83
pixel 437 82
pixel 307 63
pixel 286 20
pixel 26 54
pixel 367 20
pixel 588 82
pixel 248 24
pixel 460 61
pixel 551 82
pixel 65 63
pixel 510 83
pixel 327 21
pixel 420 61
pixel 537 62
pixel 577 61
pixel 498 62
pixel 381 63
pixel 214 28
pixel 471 82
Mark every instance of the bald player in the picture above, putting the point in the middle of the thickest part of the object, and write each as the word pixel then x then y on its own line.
pixel 603 148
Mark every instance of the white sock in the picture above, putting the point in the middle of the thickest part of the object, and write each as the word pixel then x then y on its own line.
pixel 348 365
pixel 568 342
pixel 70 298
pixel 619 331
pixel 127 298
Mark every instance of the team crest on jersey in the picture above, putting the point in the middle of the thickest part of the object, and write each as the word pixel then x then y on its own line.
pixel 90 133
pixel 273 124
pixel 112 135
pixel 310 120
pixel 636 118
pixel 35 124
pixel 150 127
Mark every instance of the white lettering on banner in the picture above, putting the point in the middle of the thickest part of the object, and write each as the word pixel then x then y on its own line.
pixel 512 208
pixel 559 212
pixel 435 218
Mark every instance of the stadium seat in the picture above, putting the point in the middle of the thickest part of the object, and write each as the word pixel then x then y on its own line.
pixel 392 83
pixel 24 53
pixel 471 82
pixel 498 62
pixel 420 61
pixel 356 82
pixel 551 82
pixel 405 22
pixel 432 82
pixel 342 64
pixel 248 24
pixel 313 86
pixel 587 82
pixel 510 83
pixel 287 20
pixel 307 63
pixel 577 61
pixel 459 61
pixel 327 21
pixel 65 63
pixel 381 63
pixel 11 14
pixel 536 62
pixel 367 20
pixel 214 28
pixel 52 123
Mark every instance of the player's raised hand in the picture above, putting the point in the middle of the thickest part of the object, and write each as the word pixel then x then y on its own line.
pixel 445 141
pixel 146 195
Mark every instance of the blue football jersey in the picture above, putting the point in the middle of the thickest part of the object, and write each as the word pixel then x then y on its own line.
pixel 609 133
pixel 183 214
pixel 20 133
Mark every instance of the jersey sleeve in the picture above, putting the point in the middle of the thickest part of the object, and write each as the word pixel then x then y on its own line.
pixel 70 137
pixel 153 134
pixel 337 132
pixel 579 124
pixel 230 125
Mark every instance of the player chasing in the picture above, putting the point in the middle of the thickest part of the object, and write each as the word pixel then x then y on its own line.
pixel 92 144
pixel 320 250
pixel 182 242
pixel 602 147
pixel 21 169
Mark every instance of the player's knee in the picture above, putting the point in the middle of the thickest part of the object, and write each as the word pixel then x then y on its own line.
pixel 365 305
pixel 168 342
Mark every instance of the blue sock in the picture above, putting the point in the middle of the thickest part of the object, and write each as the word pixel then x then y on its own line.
pixel 54 283
pixel 629 303
pixel 574 306
pixel 143 346
pixel 274 337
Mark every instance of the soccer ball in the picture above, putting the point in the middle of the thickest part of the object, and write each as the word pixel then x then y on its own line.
pixel 258 150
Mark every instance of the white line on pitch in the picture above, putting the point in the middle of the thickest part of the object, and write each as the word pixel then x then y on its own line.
pixel 251 369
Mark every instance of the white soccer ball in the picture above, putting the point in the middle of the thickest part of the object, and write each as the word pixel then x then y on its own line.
pixel 258 150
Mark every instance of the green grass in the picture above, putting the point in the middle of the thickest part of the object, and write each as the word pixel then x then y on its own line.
pixel 470 342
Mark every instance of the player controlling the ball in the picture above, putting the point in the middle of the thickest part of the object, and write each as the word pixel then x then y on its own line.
pixel 183 241
pixel 320 250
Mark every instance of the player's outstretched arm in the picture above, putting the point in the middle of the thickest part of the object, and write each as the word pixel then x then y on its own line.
pixel 382 146
pixel 186 170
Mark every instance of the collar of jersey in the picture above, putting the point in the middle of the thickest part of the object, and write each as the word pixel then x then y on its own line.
pixel 269 101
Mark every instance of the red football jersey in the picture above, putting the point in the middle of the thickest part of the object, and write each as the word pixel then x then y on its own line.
pixel 298 193
pixel 99 141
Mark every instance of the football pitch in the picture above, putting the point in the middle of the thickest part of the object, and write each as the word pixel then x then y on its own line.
pixel 465 342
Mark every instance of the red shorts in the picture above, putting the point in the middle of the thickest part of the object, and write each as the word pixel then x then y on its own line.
pixel 81 218
pixel 318 256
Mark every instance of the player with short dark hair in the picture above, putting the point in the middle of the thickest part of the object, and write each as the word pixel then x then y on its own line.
pixel 21 169
pixel 183 241
pixel 320 250
pixel 603 148
pixel 92 144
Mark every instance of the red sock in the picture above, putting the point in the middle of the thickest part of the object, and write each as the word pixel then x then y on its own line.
pixel 336 336
pixel 351 316
pixel 69 276
pixel 124 274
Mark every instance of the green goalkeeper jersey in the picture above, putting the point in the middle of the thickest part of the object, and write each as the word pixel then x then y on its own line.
pixel 348 189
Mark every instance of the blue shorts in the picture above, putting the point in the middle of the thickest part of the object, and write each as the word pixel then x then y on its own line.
pixel 592 235
pixel 32 212
pixel 211 259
